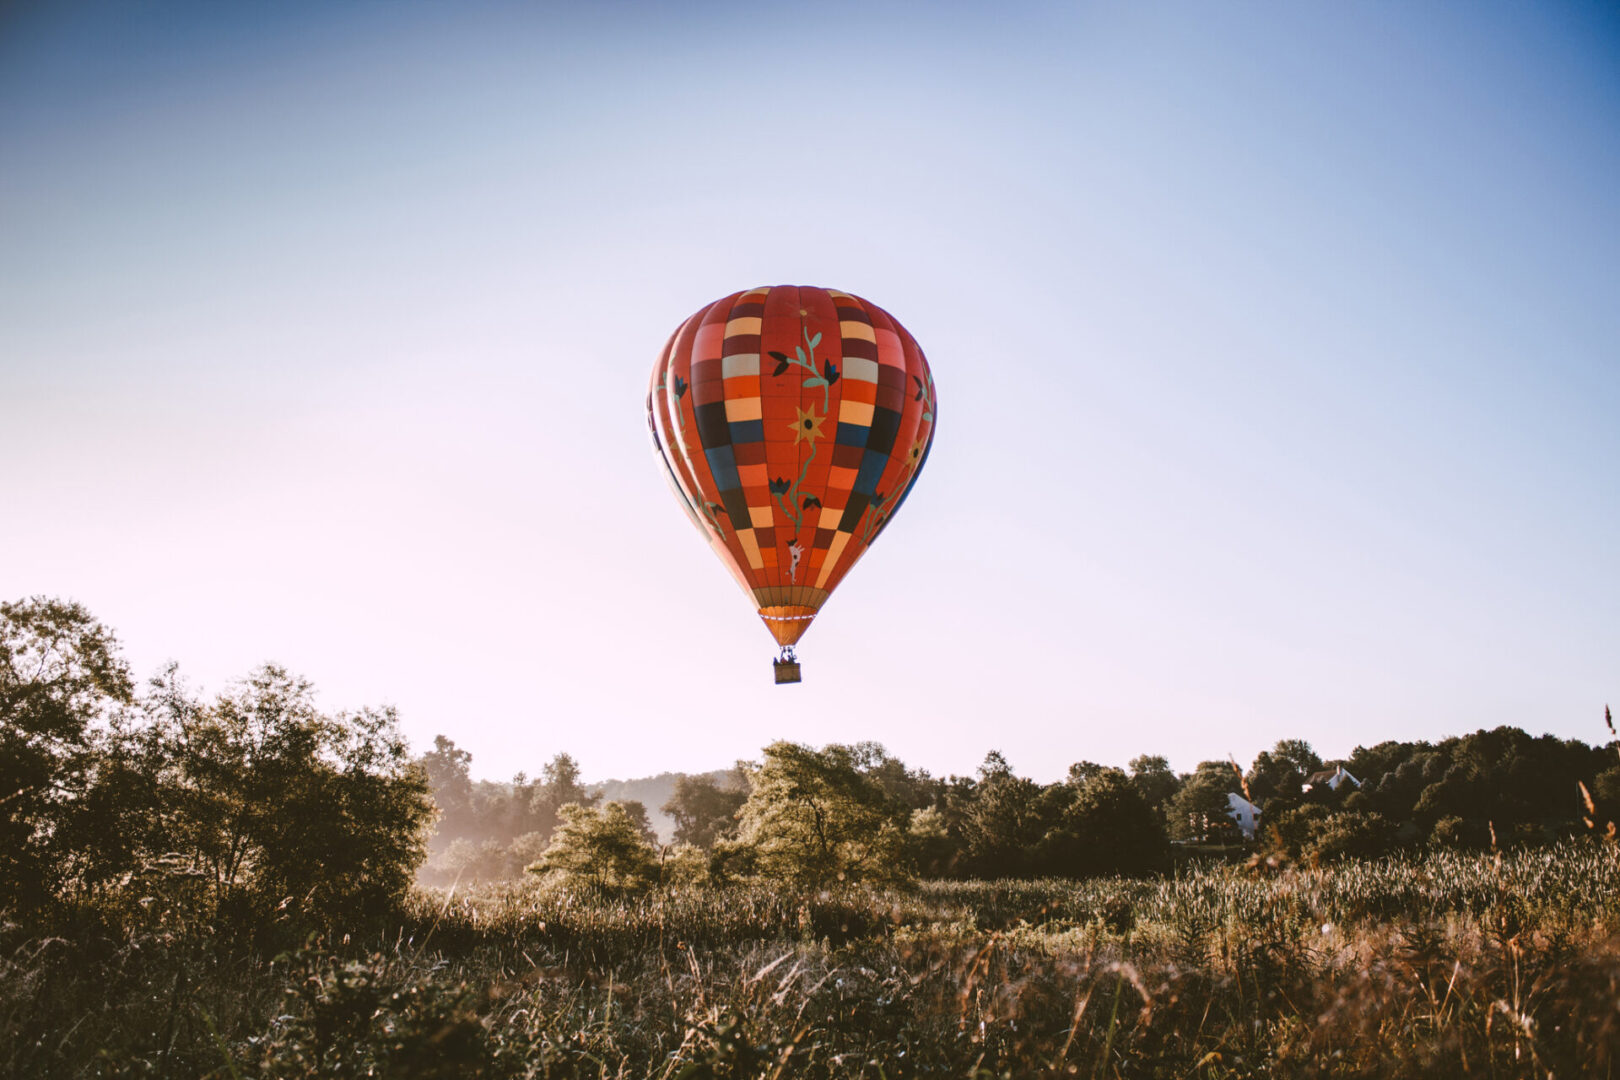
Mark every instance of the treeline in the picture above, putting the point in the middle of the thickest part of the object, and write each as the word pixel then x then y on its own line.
pixel 858 813
pixel 254 803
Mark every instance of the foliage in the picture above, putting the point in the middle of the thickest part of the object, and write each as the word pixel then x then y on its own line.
pixel 1155 781
pixel 448 771
pixel 491 831
pixel 1199 810
pixel 255 805
pixel 282 807
pixel 607 849
pixel 703 810
pixel 559 787
pixel 60 674
pixel 1001 820
pixel 1502 777
pixel 636 811
pixel 997 824
pixel 928 837
pixel 1316 833
pixel 816 816
pixel 1102 826
pixel 1282 770
pixel 1448 964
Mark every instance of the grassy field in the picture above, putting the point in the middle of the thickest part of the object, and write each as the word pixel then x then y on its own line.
pixel 1444 965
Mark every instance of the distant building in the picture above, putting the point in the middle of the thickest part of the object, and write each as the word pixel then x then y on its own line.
pixel 1333 778
pixel 1245 813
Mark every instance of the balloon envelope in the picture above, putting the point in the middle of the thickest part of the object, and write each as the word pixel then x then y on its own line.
pixel 792 422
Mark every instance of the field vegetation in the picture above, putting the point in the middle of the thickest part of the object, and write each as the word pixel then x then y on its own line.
pixel 1447 964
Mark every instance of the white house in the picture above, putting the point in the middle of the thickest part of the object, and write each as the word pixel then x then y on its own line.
pixel 1244 812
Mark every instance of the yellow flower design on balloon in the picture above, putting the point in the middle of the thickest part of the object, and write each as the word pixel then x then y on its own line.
pixel 807 427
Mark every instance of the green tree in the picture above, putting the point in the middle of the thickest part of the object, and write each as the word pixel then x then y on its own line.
pixel 1313 831
pixel 604 849
pixel 636 811
pixel 913 788
pixel 1104 826
pixel 121 818
pixel 1199 811
pixel 559 786
pixel 1003 818
pixel 283 807
pixel 1282 770
pixel 703 810
pixel 60 676
pixel 1081 771
pixel 932 847
pixel 1298 755
pixel 1155 781
pixel 814 816
pixel 448 771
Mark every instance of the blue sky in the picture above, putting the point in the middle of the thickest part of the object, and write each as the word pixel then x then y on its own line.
pixel 1277 353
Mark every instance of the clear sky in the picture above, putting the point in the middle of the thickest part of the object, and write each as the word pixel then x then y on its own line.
pixel 1277 345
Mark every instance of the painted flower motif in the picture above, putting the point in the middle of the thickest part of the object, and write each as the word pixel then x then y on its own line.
pixel 807 426
pixel 920 388
pixel 914 455
pixel 811 500
pixel 680 387
pixel 780 486
pixel 782 363
pixel 878 499
pixel 829 371
pixel 716 508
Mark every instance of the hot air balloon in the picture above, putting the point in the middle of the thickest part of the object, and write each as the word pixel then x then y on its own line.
pixel 791 422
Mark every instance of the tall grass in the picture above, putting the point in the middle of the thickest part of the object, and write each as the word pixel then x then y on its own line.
pixel 1441 965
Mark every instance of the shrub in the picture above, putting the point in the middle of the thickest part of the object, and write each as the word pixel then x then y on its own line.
pixel 1352 834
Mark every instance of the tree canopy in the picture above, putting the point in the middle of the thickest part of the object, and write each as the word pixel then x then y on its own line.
pixel 819 815
pixel 256 795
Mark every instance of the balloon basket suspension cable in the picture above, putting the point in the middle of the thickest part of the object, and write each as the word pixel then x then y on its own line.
pixel 786 665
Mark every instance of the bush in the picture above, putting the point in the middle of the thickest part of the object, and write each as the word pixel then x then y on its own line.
pixel 687 866
pixel 1352 834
